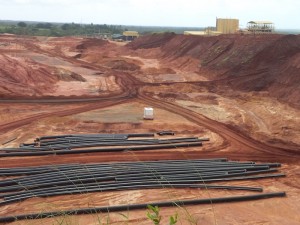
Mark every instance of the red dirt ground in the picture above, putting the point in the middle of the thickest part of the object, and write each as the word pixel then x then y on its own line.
pixel 240 91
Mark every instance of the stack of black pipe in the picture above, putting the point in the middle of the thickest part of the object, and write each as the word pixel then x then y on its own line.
pixel 43 181
pixel 89 143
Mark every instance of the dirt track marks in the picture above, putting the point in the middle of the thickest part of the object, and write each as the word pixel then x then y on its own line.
pixel 12 125
pixel 239 144
pixel 235 138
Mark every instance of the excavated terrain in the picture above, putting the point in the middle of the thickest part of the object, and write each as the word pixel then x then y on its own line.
pixel 240 91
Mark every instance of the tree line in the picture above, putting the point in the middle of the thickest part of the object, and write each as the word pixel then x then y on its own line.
pixel 59 30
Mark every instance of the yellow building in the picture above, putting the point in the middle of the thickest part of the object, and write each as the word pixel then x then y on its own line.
pixel 227 26
pixel 130 35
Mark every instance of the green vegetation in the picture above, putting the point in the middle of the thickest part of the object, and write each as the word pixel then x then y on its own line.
pixel 58 30
pixel 154 215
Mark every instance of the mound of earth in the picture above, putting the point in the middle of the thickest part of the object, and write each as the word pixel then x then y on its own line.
pixel 268 63
pixel 275 69
pixel 158 71
pixel 66 75
pixel 95 51
pixel 122 65
pixel 90 43
pixel 151 41
pixel 24 77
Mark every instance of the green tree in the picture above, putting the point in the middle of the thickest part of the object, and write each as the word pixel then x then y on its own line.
pixel 44 25
pixel 65 26
pixel 22 24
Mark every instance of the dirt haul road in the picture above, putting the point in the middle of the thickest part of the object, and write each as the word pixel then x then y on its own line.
pixel 130 87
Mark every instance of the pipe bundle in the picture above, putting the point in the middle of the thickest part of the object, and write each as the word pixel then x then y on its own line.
pixel 21 183
pixel 90 143
pixel 65 179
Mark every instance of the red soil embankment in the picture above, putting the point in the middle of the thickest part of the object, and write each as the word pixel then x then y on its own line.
pixel 91 43
pixel 244 62
pixel 275 69
pixel 24 77
pixel 19 77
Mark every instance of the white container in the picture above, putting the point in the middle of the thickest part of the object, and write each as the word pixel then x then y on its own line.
pixel 148 113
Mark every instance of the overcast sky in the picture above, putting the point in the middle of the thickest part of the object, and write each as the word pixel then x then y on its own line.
pixel 188 13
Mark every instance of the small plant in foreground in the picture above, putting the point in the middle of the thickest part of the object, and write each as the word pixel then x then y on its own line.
pixel 154 215
pixel 173 219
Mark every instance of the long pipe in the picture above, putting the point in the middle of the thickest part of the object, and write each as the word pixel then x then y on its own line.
pixel 106 209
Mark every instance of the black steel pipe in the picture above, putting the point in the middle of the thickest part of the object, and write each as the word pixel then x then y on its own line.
pixel 107 209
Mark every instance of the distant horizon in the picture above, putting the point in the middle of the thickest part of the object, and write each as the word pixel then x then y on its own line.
pixel 129 25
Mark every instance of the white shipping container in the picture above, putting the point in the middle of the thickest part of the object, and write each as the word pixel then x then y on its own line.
pixel 148 113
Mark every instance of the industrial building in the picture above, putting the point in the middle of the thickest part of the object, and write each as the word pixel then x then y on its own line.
pixel 260 27
pixel 117 37
pixel 227 26
pixel 223 26
pixel 126 36
pixel 130 35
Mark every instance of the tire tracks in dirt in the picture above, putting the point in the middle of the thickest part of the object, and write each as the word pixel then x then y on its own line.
pixel 239 143
pixel 236 139
pixel 15 124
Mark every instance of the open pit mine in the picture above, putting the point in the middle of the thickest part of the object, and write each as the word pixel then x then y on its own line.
pixel 78 147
